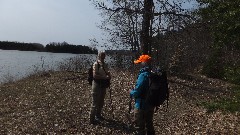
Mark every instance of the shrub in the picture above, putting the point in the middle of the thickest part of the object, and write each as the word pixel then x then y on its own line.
pixel 232 74
pixel 214 67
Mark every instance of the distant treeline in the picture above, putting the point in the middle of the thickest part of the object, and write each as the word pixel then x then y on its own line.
pixel 63 47
pixel 6 45
pixel 68 48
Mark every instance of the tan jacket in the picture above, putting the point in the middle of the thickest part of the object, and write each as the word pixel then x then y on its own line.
pixel 98 72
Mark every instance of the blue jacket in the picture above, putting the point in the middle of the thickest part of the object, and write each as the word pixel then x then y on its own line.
pixel 141 86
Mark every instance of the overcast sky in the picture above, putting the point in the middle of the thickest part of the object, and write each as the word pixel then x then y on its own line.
pixel 45 21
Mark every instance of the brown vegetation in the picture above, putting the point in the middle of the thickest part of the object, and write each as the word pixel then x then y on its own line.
pixel 58 103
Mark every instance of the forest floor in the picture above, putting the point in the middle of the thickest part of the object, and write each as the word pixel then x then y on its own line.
pixel 58 103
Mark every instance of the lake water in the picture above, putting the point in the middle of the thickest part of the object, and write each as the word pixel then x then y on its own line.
pixel 17 64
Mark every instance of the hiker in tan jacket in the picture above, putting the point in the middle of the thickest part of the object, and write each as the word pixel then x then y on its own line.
pixel 101 80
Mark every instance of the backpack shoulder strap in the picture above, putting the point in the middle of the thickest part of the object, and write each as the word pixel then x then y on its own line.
pixel 149 79
pixel 98 65
pixel 104 69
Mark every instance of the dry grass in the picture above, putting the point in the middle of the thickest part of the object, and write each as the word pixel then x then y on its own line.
pixel 58 103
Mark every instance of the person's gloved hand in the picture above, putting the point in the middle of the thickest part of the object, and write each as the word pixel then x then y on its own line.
pixel 131 93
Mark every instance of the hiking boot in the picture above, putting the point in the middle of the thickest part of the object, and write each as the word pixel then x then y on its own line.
pixel 150 132
pixel 93 122
pixel 99 118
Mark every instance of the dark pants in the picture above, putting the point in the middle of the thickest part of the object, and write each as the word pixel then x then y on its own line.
pixel 142 119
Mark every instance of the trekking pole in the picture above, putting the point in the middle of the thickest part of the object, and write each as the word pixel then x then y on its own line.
pixel 129 113
pixel 110 92
pixel 130 105
pixel 167 96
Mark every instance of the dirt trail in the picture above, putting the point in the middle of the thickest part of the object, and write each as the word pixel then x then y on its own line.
pixel 58 103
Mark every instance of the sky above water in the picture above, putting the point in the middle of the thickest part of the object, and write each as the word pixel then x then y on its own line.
pixel 45 21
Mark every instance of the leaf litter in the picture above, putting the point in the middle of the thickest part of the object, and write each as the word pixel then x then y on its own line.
pixel 58 103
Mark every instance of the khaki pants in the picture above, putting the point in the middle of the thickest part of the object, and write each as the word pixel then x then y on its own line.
pixel 98 94
pixel 142 119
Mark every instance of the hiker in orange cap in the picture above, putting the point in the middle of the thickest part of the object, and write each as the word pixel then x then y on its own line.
pixel 143 59
pixel 143 112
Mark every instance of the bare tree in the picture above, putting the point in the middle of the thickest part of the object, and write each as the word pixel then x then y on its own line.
pixel 133 23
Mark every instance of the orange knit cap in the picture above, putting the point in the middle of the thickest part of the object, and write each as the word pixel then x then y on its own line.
pixel 143 58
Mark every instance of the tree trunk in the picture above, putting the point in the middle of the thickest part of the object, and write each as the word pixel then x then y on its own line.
pixel 145 34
